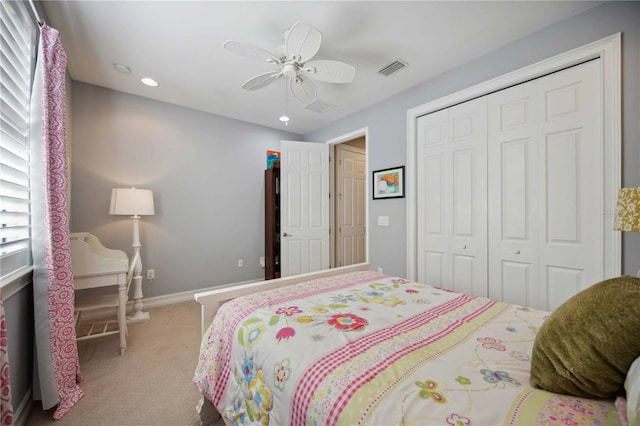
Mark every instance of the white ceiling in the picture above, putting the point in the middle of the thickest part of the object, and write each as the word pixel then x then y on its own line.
pixel 179 43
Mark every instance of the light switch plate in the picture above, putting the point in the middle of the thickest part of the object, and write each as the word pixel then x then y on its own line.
pixel 383 220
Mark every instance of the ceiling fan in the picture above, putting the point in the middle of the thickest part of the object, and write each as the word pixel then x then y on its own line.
pixel 301 43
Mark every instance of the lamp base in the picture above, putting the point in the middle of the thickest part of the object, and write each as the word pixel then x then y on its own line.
pixel 138 317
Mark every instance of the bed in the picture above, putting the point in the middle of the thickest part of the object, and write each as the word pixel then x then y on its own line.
pixel 351 346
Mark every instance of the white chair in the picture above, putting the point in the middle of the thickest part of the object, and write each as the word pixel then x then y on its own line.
pixel 97 266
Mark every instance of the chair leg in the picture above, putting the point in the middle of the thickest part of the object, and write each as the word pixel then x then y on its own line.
pixel 122 320
pixel 76 320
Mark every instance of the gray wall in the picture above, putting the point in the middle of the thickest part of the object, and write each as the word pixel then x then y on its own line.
pixel 18 310
pixel 387 121
pixel 206 173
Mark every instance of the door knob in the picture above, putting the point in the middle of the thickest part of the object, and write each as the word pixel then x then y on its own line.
pixel 517 251
pixel 464 247
pixel 287 235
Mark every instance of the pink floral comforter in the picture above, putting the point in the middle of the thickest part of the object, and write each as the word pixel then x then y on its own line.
pixel 366 348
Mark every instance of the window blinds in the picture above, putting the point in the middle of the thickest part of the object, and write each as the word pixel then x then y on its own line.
pixel 17 62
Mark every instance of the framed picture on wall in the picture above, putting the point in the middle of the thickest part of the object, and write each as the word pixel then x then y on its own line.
pixel 388 183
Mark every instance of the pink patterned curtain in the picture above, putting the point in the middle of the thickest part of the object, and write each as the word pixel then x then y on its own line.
pixel 56 350
pixel 6 411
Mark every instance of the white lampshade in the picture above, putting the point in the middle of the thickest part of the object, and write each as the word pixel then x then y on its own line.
pixel 131 201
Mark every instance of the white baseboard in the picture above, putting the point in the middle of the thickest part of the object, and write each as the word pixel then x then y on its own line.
pixel 184 296
pixel 22 413
pixel 168 299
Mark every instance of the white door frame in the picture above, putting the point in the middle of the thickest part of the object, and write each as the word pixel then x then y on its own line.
pixel 345 138
pixel 609 51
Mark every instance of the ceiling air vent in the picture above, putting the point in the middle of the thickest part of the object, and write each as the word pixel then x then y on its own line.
pixel 392 67
pixel 320 106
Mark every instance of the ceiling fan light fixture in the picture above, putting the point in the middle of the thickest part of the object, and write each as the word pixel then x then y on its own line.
pixel 149 82
pixel 284 118
pixel 290 71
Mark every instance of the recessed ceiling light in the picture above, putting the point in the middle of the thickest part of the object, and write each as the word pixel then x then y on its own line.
pixel 149 81
pixel 122 68
pixel 284 119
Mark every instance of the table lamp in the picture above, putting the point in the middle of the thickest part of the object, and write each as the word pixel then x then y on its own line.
pixel 135 203
pixel 628 210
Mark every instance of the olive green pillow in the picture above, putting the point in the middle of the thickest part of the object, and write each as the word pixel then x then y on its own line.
pixel 586 346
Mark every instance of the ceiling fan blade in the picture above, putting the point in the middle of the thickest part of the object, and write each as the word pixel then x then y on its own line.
pixel 303 89
pixel 251 51
pixel 261 80
pixel 302 42
pixel 330 71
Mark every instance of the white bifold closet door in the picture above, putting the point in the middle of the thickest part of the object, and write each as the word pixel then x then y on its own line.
pixel 510 191
pixel 546 178
pixel 452 198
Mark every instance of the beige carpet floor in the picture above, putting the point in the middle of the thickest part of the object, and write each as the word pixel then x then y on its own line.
pixel 149 385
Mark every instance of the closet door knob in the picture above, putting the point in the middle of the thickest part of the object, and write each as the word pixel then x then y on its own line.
pixel 464 247
pixel 517 251
pixel 287 235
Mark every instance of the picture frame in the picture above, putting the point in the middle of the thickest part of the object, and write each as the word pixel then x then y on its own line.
pixel 388 183
pixel 273 157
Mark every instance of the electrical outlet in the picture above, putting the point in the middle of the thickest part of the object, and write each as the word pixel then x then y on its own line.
pixel 240 263
pixel 151 274
pixel 262 262
pixel 383 220
pixel 379 270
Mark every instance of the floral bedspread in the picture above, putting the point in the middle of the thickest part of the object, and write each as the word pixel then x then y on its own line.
pixel 367 348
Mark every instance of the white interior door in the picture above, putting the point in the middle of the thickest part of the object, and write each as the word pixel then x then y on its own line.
pixel 452 194
pixel 546 194
pixel 351 205
pixel 304 207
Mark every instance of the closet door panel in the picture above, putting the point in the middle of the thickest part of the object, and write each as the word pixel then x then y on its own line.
pixel 468 240
pixel 515 191
pixel 571 171
pixel 432 268
pixel 563 189
pixel 452 198
pixel 464 273
pixel 433 190
pixel 436 227
pixel 463 176
pixel 562 283
pixel 512 195
pixel 545 188
pixel 519 276
pixel 463 222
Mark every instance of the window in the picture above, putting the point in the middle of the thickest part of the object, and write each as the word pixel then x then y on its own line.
pixel 18 35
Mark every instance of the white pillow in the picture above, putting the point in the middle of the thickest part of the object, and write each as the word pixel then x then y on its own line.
pixel 632 386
